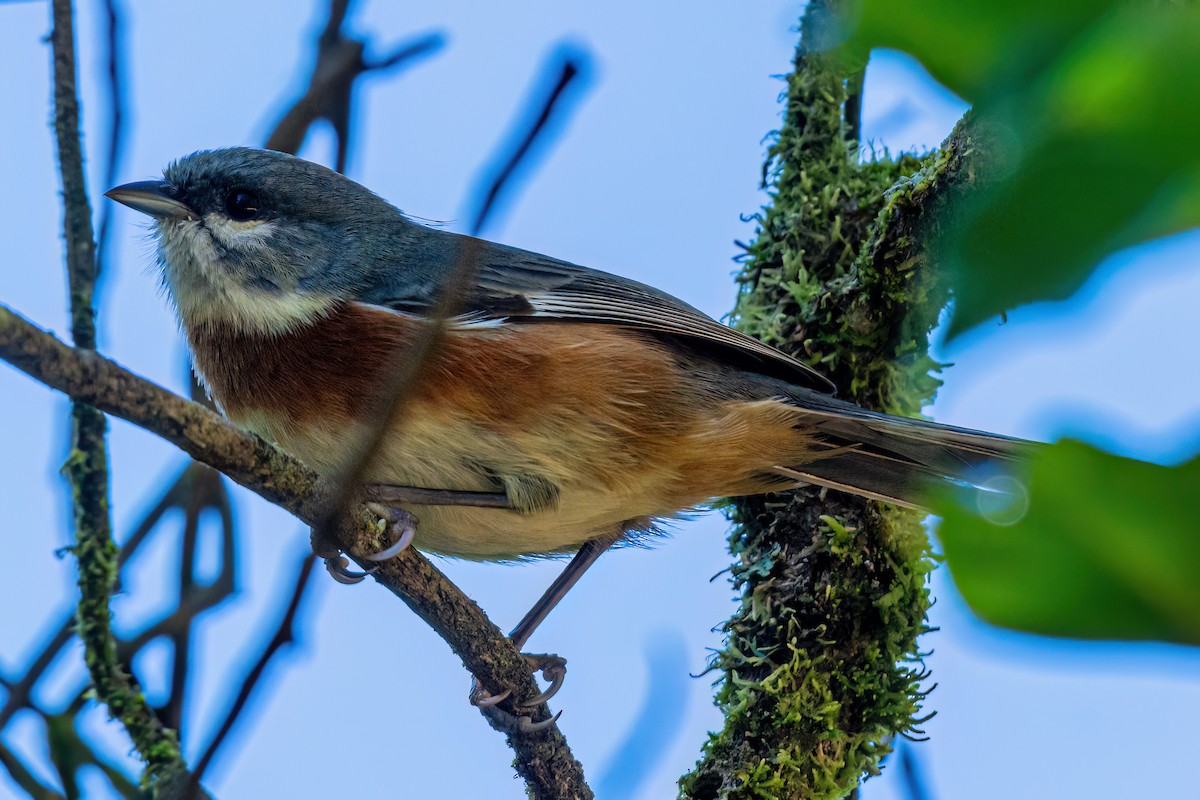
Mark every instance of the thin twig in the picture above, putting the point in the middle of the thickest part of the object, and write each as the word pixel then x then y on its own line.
pixel 87 466
pixel 114 37
pixel 571 65
pixel 401 379
pixel 329 95
pixel 911 774
pixel 19 690
pixel 24 778
pixel 205 491
pixel 284 634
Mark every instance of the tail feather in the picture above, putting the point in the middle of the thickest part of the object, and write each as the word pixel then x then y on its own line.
pixel 896 459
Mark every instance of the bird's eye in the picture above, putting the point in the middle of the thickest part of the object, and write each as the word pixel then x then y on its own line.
pixel 242 205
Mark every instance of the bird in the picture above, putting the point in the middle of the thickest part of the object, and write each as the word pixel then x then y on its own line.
pixel 595 406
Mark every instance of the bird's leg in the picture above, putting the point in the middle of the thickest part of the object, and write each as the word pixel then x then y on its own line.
pixel 552 667
pixel 584 558
pixel 395 495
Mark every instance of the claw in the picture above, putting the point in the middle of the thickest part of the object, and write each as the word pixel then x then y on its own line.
pixel 338 565
pixel 527 725
pixel 406 538
pixel 338 569
pixel 481 698
pixel 553 669
pixel 550 692
pixel 394 518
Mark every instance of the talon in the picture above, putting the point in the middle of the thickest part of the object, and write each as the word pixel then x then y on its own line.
pixel 552 690
pixel 338 570
pixel 553 669
pixel 482 699
pixel 394 518
pixel 527 725
pixel 406 538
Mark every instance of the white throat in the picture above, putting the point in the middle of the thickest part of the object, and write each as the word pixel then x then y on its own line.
pixel 206 291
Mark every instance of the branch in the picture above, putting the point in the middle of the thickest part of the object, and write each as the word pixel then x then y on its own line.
pixel 571 65
pixel 543 758
pixel 284 635
pixel 87 465
pixel 19 691
pixel 833 587
pixel 24 778
pixel 330 94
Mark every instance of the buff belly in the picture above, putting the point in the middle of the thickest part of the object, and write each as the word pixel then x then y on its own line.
pixel 430 453
pixel 605 484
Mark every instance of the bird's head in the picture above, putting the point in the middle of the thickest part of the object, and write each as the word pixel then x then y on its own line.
pixel 259 240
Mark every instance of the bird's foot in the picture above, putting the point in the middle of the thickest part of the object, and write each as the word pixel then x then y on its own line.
pixel 400 524
pixel 553 669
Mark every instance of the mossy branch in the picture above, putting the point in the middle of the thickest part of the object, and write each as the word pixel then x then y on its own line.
pixel 821 669
pixel 86 467
pixel 543 759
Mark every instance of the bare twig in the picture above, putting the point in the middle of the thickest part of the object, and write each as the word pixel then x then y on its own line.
pixel 402 376
pixel 571 64
pixel 911 775
pixel 24 778
pixel 87 466
pixel 204 491
pixel 284 635
pixel 114 34
pixel 330 95
pixel 20 689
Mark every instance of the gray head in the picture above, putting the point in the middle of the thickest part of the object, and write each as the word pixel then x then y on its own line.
pixel 261 240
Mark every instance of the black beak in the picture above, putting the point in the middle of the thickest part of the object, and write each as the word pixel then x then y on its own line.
pixel 151 197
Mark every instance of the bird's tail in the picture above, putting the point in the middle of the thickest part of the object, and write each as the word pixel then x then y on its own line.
pixel 897 459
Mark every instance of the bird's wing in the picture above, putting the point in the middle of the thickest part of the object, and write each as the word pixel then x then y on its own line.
pixel 524 287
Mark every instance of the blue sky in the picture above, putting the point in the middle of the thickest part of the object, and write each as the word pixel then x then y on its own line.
pixel 648 181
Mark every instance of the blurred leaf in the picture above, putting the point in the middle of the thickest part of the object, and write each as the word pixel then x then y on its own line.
pixel 1109 549
pixel 973 46
pixel 1091 108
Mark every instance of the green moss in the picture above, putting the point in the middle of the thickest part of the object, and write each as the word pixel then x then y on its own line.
pixel 97 555
pixel 821 668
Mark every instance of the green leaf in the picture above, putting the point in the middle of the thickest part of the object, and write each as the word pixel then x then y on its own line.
pixel 975 47
pixel 1109 548
pixel 1089 112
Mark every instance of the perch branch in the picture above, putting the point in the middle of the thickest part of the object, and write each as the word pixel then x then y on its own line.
pixel 544 759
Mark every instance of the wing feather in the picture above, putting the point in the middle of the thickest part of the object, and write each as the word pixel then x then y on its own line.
pixel 524 287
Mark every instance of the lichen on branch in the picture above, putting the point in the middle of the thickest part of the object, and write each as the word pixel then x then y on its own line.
pixel 86 467
pixel 821 669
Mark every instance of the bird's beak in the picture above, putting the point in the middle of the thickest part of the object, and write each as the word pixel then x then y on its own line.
pixel 150 197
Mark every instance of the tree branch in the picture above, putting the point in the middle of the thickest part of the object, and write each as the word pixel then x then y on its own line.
pixel 87 465
pixel 24 778
pixel 543 759
pixel 821 669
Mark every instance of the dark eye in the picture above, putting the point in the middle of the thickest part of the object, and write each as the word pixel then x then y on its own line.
pixel 242 205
